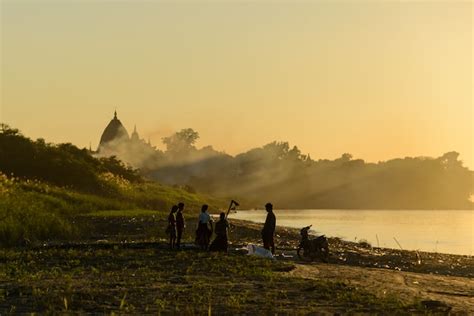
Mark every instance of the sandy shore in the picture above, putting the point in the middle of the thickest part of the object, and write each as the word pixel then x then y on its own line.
pixel 433 277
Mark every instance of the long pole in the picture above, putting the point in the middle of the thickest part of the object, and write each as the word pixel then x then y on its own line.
pixel 398 243
pixel 230 207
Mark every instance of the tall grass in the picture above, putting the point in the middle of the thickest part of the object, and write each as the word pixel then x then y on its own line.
pixel 32 211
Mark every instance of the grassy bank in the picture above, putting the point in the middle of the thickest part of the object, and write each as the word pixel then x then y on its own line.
pixel 43 186
pixel 33 211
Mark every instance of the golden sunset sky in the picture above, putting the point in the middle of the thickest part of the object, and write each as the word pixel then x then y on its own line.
pixel 377 79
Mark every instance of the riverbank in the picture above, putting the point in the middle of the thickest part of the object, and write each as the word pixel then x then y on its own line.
pixel 121 264
pixel 442 279
pixel 442 231
pixel 363 254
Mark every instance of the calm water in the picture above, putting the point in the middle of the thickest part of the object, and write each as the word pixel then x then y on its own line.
pixel 435 231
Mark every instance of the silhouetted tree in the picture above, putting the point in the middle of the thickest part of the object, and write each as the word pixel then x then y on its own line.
pixel 181 141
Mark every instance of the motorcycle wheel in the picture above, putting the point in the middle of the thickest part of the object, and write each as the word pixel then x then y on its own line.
pixel 324 254
pixel 298 252
pixel 301 256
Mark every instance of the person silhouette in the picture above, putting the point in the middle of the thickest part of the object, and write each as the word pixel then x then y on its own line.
pixel 269 229
pixel 220 243
pixel 171 229
pixel 203 233
pixel 180 224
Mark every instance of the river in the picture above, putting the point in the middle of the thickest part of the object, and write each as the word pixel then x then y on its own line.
pixel 434 231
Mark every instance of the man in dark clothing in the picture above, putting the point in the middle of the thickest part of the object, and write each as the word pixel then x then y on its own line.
pixel 269 229
pixel 180 224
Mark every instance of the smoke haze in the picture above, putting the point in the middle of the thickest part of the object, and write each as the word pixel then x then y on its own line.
pixel 280 173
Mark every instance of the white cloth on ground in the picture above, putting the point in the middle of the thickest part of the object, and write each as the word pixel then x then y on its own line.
pixel 255 250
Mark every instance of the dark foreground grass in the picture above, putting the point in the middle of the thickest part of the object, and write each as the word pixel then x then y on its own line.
pixel 94 280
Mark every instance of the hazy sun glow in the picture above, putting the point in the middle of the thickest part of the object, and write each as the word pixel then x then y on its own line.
pixel 377 80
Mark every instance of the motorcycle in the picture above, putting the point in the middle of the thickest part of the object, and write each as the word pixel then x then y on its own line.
pixel 313 248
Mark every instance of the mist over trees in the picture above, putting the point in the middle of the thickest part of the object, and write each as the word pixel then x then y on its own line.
pixel 275 172
pixel 282 174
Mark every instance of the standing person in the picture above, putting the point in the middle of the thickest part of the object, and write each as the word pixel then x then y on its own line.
pixel 203 233
pixel 220 243
pixel 269 229
pixel 171 229
pixel 180 224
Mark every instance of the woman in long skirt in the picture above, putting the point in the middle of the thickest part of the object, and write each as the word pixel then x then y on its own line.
pixel 203 232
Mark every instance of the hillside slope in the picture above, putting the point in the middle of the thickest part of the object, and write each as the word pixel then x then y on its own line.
pixel 42 186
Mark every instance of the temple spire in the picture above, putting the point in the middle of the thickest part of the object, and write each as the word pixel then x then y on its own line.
pixel 135 134
pixel 115 114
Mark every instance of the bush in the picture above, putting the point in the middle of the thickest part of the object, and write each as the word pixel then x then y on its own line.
pixel 27 218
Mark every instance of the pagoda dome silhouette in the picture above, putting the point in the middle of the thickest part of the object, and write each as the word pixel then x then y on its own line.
pixel 115 131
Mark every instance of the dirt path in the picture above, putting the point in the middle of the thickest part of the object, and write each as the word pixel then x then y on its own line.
pixel 457 292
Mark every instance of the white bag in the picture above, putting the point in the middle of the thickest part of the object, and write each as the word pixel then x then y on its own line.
pixel 255 250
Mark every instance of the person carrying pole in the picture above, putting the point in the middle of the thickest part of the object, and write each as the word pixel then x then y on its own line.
pixel 220 243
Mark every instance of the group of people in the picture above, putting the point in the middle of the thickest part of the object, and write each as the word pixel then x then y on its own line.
pixel 205 229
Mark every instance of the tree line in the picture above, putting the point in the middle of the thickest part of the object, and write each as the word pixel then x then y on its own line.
pixel 281 173
pixel 275 172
